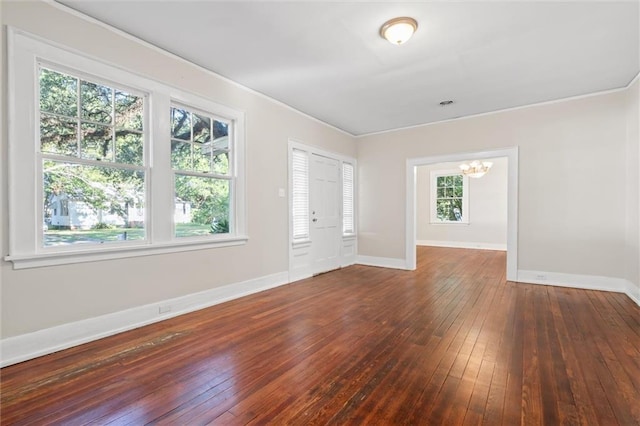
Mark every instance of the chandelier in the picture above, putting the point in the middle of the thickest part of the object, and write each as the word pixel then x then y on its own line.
pixel 476 169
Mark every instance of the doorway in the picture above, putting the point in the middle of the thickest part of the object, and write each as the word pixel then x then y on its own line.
pixel 322 226
pixel 512 201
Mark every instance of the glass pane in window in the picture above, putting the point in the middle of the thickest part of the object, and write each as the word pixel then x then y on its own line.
pixel 58 136
pixel 220 130
pixel 440 192
pixel 96 102
pixel 201 206
pixel 58 93
pixel 457 180
pixel 201 158
pixel 181 155
pixel 201 128
pixel 128 111
pixel 129 147
pixel 220 164
pixel 180 124
pixel 91 205
pixel 457 191
pixel 96 142
pixel 440 180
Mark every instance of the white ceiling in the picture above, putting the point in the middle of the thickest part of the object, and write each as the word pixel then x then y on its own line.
pixel 327 59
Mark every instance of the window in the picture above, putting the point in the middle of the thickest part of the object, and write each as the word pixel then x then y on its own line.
pixel 91 145
pixel 449 195
pixel 200 151
pixel 114 164
pixel 348 223
pixel 300 194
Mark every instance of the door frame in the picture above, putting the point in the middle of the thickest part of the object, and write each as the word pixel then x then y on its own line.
pixel 348 243
pixel 512 201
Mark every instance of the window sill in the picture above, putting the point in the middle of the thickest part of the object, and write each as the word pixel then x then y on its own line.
pixel 120 252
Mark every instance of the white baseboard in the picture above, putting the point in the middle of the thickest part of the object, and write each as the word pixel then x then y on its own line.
pixel 31 345
pixel 458 244
pixel 633 292
pixel 382 262
pixel 586 282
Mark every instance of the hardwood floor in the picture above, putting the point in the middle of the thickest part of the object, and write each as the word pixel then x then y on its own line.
pixel 451 343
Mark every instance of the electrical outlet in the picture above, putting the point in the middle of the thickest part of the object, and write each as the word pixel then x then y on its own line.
pixel 164 309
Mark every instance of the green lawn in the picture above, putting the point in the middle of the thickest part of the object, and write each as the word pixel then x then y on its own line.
pixel 63 237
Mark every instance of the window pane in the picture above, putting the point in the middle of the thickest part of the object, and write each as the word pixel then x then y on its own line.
pixel 220 129
pixel 129 147
pixel 300 194
pixel 220 164
pixel 348 225
pixel 201 206
pixel 180 124
pixel 440 181
pixel 201 128
pixel 201 158
pixel 58 93
pixel 96 143
pixel 58 136
pixel 91 205
pixel 96 102
pixel 128 111
pixel 181 155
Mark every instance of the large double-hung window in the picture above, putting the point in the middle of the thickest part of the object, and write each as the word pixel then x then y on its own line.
pixel 92 158
pixel 200 154
pixel 104 163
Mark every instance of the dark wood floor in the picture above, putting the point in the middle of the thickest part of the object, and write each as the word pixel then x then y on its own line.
pixel 452 343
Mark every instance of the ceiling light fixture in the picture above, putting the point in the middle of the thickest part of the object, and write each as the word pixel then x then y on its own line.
pixel 476 169
pixel 398 30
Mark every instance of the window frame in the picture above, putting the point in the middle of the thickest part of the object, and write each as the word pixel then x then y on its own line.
pixel 433 192
pixel 25 53
pixel 351 232
pixel 306 236
pixel 230 177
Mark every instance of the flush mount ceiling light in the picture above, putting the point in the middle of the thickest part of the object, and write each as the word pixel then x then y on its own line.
pixel 398 30
pixel 476 169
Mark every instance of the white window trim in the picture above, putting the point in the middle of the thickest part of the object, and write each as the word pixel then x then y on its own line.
pixel 433 214
pixel 25 51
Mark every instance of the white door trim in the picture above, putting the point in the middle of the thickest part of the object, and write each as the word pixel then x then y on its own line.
pixel 300 252
pixel 512 201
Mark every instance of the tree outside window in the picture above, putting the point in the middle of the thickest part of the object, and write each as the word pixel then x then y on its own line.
pixel 449 195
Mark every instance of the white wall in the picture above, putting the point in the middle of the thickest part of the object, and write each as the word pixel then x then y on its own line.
pixel 487 210
pixel 571 192
pixel 35 299
pixel 633 192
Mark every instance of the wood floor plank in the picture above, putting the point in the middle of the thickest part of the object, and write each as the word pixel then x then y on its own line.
pixel 450 343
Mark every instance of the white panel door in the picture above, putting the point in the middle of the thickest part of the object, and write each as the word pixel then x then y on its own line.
pixel 326 224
